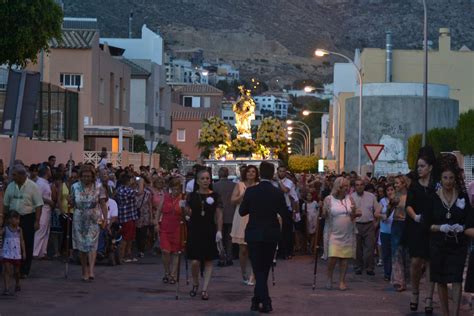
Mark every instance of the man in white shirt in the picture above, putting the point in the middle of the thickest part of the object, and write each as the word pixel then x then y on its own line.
pixel 40 249
pixel 286 186
pixel 366 203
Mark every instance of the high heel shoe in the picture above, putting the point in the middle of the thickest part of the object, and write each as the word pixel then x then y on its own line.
pixel 415 296
pixel 428 306
pixel 193 292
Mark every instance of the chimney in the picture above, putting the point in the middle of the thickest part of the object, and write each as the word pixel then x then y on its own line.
pixel 444 40
pixel 389 57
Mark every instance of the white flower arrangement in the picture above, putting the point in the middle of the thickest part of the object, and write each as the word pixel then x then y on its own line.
pixel 210 200
pixel 461 203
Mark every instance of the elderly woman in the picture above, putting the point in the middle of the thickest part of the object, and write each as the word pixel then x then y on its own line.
pixel 205 229
pixel 170 228
pixel 448 214
pixel 340 211
pixel 88 199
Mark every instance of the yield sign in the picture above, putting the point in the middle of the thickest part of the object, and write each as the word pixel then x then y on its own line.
pixel 373 151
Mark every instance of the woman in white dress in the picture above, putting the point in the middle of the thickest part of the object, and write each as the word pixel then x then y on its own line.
pixel 249 177
pixel 340 212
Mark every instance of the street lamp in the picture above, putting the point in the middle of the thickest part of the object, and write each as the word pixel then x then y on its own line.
pixel 305 139
pixel 291 122
pixel 306 112
pixel 302 130
pixel 323 52
pixel 425 70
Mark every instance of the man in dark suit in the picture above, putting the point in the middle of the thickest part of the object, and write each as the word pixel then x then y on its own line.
pixel 224 187
pixel 263 203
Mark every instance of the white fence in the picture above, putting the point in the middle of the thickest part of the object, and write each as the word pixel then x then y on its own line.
pixel 123 159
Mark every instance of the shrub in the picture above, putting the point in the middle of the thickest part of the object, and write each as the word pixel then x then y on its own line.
pixel 414 145
pixel 465 133
pixel 299 163
pixel 442 140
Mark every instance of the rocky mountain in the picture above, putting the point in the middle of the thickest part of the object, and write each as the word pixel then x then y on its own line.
pixel 275 39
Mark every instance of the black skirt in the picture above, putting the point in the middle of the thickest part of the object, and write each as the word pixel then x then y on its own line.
pixel 447 258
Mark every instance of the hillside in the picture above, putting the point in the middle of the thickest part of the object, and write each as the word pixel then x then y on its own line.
pixel 275 39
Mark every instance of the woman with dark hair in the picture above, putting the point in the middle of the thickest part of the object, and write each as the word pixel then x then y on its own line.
pixel 205 230
pixel 446 218
pixel 415 235
pixel 386 218
pixel 249 178
pixel 88 198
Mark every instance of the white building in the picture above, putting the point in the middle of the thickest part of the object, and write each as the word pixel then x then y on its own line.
pixel 273 104
pixel 150 97
pixel 179 71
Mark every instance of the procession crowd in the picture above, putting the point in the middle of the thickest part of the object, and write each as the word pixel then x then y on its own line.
pixel 413 225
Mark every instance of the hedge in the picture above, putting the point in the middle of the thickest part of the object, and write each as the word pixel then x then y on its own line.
pixel 299 163
pixel 465 133
pixel 441 139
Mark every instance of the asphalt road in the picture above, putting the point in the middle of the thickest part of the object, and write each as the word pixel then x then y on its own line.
pixel 137 289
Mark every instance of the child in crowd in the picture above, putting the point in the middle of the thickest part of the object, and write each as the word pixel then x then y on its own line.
pixel 13 251
pixel 311 208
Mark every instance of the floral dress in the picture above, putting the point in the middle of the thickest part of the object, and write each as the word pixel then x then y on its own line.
pixel 143 202
pixel 85 226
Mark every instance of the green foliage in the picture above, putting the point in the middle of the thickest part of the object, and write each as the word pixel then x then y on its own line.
pixel 442 139
pixel 25 29
pixel 169 155
pixel 414 145
pixel 139 145
pixel 465 133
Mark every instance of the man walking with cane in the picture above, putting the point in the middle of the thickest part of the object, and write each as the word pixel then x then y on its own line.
pixel 263 203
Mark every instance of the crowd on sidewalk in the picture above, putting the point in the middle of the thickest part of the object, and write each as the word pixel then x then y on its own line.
pixel 413 226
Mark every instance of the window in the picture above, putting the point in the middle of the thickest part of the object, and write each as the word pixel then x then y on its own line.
pixel 3 78
pixel 207 102
pixel 71 80
pixel 122 100
pixel 101 91
pixel 181 135
pixel 117 97
pixel 192 102
pixel 199 133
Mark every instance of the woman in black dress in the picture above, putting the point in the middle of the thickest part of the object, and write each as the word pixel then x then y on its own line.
pixel 447 217
pixel 415 235
pixel 204 231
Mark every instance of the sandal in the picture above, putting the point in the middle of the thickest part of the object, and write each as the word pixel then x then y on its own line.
pixel 204 296
pixel 166 279
pixel 193 292
pixel 172 280
pixel 428 306
pixel 414 301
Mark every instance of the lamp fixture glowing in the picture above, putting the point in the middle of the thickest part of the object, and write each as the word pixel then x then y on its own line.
pixel 321 52
pixel 306 112
pixel 289 122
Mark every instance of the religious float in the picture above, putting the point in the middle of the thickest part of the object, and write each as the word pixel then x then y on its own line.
pixel 215 138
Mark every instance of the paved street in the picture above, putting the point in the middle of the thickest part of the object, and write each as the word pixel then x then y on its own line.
pixel 136 289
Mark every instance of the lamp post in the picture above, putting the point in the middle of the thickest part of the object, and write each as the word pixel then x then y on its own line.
pixel 323 52
pixel 292 129
pixel 425 71
pixel 305 139
pixel 291 122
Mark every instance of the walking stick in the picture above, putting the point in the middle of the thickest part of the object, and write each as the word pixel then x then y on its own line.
pixel 273 265
pixel 316 252
pixel 178 275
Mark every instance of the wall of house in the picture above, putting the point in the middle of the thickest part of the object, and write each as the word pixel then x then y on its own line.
pixel 189 147
pixel 445 66
pixel 138 105
pixel 35 151
pixel 116 76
